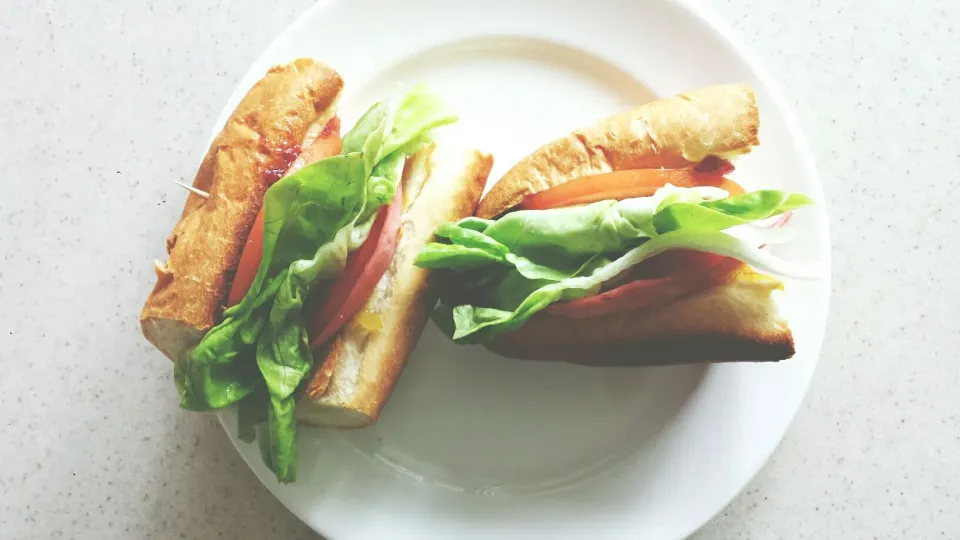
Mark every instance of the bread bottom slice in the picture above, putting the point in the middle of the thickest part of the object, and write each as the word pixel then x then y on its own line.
pixel 737 321
pixel 355 373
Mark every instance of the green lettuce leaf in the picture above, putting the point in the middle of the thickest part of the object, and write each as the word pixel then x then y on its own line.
pixel 566 237
pixel 251 412
pixel 475 324
pixel 260 354
pixel 594 228
pixel 472 248
pixel 213 376
pixel 569 253
pixel 727 213
pixel 437 255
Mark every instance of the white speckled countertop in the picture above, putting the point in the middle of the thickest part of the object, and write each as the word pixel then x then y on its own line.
pixel 103 103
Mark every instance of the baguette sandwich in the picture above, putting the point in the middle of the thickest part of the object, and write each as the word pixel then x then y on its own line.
pixel 625 243
pixel 289 288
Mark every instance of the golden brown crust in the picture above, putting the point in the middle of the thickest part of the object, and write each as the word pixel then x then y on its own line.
pixel 356 372
pixel 671 133
pixel 256 145
pixel 733 322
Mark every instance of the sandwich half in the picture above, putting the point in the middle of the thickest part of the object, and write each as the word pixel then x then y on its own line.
pixel 289 289
pixel 626 243
pixel 358 366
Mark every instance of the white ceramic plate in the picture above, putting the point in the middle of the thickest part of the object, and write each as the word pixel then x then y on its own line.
pixel 476 446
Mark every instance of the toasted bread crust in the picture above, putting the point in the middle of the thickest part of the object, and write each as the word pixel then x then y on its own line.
pixel 737 321
pixel 671 133
pixel 256 145
pixel 356 372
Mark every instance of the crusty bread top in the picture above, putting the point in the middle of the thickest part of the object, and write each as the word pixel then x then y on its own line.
pixel 671 133
pixel 254 148
pixel 355 374
pixel 735 321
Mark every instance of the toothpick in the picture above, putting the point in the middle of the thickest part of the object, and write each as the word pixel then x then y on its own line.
pixel 193 190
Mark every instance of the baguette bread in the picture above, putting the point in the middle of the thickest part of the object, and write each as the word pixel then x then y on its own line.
pixel 355 372
pixel 672 133
pixel 736 321
pixel 254 147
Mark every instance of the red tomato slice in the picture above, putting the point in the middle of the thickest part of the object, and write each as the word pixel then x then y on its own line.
pixel 363 271
pixel 623 185
pixel 249 262
pixel 327 144
pixel 692 271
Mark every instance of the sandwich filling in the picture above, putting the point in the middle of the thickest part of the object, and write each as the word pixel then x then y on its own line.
pixel 600 244
pixel 324 237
